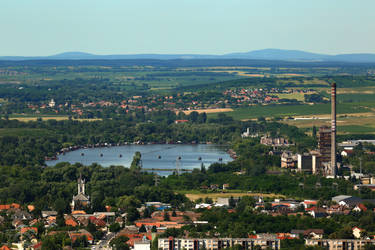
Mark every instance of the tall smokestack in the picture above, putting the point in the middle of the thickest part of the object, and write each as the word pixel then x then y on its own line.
pixel 333 129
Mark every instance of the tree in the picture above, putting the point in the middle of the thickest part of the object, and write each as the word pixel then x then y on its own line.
pixel 115 227
pixel 81 242
pixel 119 243
pixel 50 244
pixel 142 229
pixel 127 202
pixel 166 216
pixel 136 163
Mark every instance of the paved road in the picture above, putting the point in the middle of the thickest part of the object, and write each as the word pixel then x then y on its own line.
pixel 103 244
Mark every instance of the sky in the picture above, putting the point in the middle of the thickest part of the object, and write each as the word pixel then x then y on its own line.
pixel 48 27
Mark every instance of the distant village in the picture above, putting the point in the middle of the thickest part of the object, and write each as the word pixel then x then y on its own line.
pixel 179 102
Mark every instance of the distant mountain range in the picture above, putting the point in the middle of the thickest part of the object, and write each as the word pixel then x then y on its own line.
pixel 265 54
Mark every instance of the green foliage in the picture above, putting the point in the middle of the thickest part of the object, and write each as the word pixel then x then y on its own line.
pixel 119 243
pixel 114 227
pixel 136 163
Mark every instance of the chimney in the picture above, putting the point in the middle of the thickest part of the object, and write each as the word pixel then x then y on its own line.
pixel 333 130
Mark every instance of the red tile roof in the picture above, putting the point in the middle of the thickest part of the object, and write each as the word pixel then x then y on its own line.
pixel 26 229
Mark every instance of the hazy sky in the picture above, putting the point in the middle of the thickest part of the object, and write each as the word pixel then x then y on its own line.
pixel 45 27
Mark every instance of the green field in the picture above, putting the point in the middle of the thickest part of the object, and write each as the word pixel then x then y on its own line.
pixel 293 110
pixel 355 129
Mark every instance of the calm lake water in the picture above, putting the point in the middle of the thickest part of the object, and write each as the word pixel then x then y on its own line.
pixel 158 156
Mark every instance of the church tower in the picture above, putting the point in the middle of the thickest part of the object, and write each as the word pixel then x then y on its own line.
pixel 81 185
pixel 80 200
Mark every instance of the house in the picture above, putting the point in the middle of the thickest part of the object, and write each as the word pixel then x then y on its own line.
pixel 31 208
pixel 9 206
pixel 309 203
pixel 27 229
pixel 314 233
pixel 288 160
pixel 74 235
pixel 318 212
pixel 21 215
pixel 360 208
pixel 308 233
pixel 5 247
pixel 139 238
pixel 158 205
pixel 143 244
pixel 69 221
pixel 357 232
pixel 346 152
pixel 337 209
pixel 97 222
pixel 290 204
pixel 346 200
pixel 46 214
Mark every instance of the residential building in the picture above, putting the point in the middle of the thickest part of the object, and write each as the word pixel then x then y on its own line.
pixel 265 241
pixel 348 201
pixel 74 235
pixel 143 244
pixel 275 142
pixel 288 160
pixel 342 244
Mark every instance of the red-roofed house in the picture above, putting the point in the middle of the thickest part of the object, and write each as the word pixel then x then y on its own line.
pixel 26 229
pixel 9 206
pixel 360 208
pixel 31 208
pixel 136 237
pixel 71 222
pixel 97 222
pixel 78 234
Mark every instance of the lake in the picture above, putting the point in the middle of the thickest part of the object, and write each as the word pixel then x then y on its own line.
pixel 157 156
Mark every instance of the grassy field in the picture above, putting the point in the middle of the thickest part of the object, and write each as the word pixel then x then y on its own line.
pixel 294 110
pixel 297 96
pixel 195 196
pixel 358 123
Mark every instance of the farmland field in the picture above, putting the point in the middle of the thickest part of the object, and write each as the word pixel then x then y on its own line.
pixel 359 123
pixel 294 110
